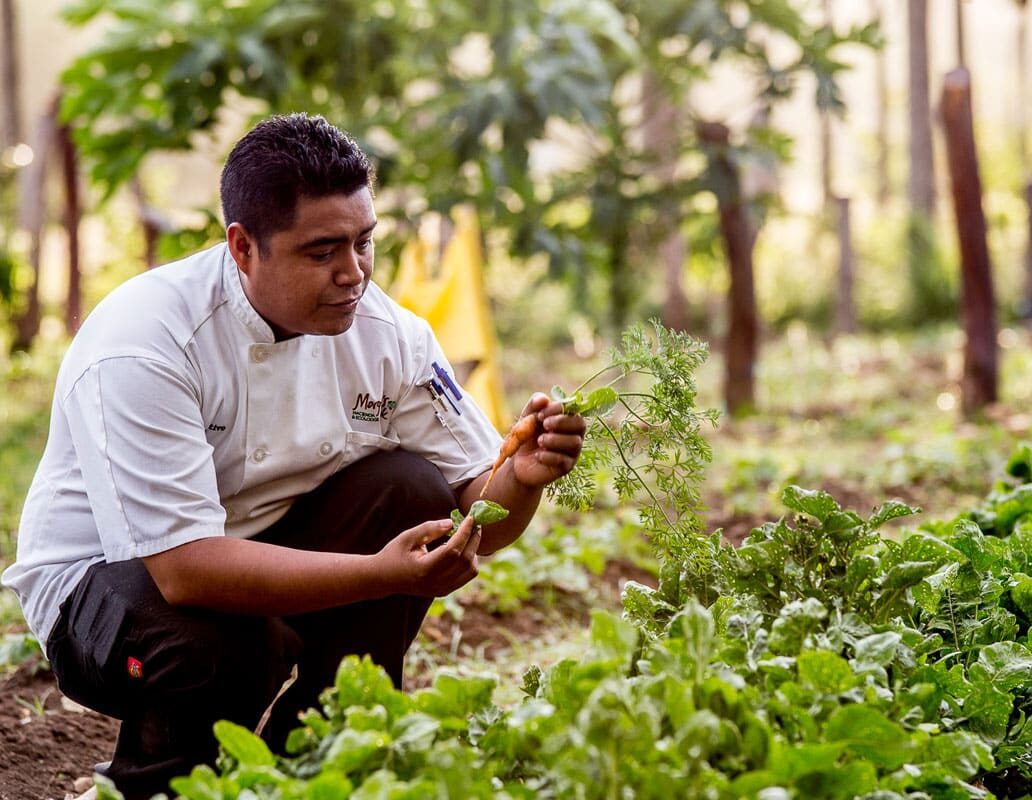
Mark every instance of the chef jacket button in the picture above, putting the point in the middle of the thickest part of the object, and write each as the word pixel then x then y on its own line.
pixel 325 448
pixel 259 454
pixel 259 354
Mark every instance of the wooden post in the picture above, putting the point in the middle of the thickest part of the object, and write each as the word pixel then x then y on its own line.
pixel 10 78
pixel 736 228
pixel 32 205
pixel 881 80
pixel 979 385
pixel 73 214
pixel 922 169
pixel 845 310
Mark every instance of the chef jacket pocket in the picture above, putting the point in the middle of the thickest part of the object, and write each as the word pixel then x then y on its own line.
pixel 361 444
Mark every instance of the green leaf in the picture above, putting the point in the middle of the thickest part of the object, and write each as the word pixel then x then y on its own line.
pixel 360 682
pixel 868 733
pixel 909 573
pixel 201 784
pixel 789 762
pixel 878 648
pixel 1009 664
pixel 962 753
pixel 106 789
pixel 243 745
pixel 817 504
pixel 923 546
pixel 598 403
pixel 1021 592
pixel 891 510
pixel 329 785
pixel 454 698
pixel 928 593
pixel 484 512
pixel 352 751
pixel 988 709
pixel 825 672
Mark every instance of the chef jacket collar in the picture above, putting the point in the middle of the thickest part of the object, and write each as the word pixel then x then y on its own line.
pixel 238 301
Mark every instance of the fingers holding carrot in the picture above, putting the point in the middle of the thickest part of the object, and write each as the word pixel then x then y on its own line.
pixel 550 438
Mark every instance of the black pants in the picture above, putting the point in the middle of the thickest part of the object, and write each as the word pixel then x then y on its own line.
pixel 194 666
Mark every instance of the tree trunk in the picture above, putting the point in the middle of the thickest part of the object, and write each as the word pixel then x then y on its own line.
pixel 32 206
pixel 881 79
pixel 845 310
pixel 154 223
pixel 961 35
pixel 922 173
pixel 735 226
pixel 659 129
pixel 1023 148
pixel 73 213
pixel 979 385
pixel 10 79
pixel 826 155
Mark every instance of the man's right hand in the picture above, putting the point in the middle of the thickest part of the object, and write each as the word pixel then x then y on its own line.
pixel 408 564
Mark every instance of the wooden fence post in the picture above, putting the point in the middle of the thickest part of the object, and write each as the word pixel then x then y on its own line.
pixel 979 385
pixel 845 310
pixel 737 230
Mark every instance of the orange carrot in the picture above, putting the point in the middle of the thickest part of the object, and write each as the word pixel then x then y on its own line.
pixel 520 433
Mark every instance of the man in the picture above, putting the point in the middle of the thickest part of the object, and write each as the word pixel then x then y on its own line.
pixel 250 466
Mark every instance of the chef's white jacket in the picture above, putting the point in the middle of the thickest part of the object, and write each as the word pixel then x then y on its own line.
pixel 178 416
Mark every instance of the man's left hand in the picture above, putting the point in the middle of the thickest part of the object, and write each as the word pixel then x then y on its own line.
pixel 553 450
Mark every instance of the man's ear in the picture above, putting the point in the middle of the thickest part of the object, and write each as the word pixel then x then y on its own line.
pixel 241 246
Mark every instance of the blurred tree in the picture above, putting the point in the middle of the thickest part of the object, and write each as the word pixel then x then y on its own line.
pixel 453 103
pixel 1021 84
pixel 960 33
pixel 881 80
pixel 31 213
pixel 979 384
pixel 922 175
pixel 10 136
pixel 10 79
pixel 931 293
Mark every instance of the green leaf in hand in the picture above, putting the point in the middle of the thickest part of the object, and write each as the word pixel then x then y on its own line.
pixel 598 402
pixel 484 512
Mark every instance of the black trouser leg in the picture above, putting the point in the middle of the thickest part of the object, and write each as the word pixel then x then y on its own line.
pixel 189 668
pixel 199 666
pixel 357 511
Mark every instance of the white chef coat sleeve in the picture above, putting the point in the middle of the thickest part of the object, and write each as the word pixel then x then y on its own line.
pixel 148 469
pixel 462 445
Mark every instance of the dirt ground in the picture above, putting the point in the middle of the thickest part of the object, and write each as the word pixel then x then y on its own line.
pixel 47 742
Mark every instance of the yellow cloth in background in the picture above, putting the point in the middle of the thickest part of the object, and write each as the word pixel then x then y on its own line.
pixel 455 305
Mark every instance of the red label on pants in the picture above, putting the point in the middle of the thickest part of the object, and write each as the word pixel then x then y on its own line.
pixel 134 667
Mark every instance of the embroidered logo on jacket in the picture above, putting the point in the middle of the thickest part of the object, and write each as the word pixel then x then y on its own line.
pixel 366 409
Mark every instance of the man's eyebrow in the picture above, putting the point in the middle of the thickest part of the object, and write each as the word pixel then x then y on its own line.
pixel 324 241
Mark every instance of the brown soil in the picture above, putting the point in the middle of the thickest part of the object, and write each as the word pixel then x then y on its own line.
pixel 46 744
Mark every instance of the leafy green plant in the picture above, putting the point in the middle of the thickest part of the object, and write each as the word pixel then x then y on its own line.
pixel 644 429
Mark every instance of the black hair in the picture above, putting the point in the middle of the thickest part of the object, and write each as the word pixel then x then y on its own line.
pixel 282 159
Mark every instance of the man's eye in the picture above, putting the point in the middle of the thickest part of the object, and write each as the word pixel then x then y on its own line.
pixel 324 255
pixel 363 245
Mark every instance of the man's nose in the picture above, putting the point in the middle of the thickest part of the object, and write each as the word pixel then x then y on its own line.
pixel 349 271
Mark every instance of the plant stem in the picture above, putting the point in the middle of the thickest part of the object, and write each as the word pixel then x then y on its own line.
pixel 630 466
pixel 602 371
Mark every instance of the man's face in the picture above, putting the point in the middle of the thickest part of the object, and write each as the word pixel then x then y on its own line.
pixel 313 274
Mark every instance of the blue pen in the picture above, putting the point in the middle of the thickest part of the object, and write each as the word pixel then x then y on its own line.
pixel 441 393
pixel 446 380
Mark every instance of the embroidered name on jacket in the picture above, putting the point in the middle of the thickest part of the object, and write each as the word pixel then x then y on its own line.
pixel 366 409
